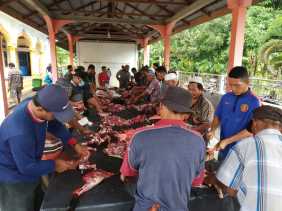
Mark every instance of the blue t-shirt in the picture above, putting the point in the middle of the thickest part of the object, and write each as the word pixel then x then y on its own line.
pixel 235 114
pixel 22 141
pixel 167 158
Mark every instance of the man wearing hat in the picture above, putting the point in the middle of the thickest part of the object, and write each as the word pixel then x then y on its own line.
pixel 202 108
pixel 167 156
pixel 153 90
pixel 252 170
pixel 22 139
pixel 234 112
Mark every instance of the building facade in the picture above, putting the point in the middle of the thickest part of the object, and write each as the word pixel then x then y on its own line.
pixel 25 46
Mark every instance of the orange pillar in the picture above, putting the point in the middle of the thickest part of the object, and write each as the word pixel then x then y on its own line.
pixel 146 51
pixel 3 94
pixel 52 41
pixel 239 10
pixel 70 44
pixel 165 31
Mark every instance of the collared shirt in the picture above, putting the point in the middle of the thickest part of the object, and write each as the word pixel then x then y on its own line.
pixel 235 114
pixel 254 168
pixel 203 110
pixel 154 90
pixel 167 156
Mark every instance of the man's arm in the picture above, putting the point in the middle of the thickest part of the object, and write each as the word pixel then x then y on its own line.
pixel 214 125
pixel 235 138
pixel 23 152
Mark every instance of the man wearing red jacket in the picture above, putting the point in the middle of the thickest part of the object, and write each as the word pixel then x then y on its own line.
pixel 103 77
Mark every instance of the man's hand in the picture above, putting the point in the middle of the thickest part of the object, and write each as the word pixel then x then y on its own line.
pixel 87 132
pixel 222 144
pixel 82 151
pixel 122 178
pixel 210 135
pixel 63 165
pixel 210 178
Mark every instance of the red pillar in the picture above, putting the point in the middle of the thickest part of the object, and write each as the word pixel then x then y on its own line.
pixel 146 51
pixel 165 31
pixel 70 44
pixel 3 94
pixel 239 10
pixel 52 41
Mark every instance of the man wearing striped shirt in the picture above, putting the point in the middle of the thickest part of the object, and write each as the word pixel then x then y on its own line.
pixel 252 169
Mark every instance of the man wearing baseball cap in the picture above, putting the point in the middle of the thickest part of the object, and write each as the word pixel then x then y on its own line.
pixel 22 139
pixel 166 156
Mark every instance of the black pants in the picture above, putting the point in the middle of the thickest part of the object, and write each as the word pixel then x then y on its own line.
pixel 17 196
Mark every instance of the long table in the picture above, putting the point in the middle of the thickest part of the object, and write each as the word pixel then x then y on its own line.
pixel 112 194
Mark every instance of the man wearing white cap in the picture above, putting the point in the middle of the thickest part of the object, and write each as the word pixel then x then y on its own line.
pixel 202 107
pixel 171 79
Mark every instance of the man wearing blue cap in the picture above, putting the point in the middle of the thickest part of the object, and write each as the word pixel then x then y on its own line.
pixel 22 138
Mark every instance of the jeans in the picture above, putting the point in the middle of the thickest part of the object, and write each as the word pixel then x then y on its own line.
pixel 17 196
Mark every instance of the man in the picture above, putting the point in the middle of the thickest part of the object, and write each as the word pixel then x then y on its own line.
pixel 103 77
pixel 91 78
pixel 171 79
pixel 70 71
pixel 123 76
pixel 22 138
pixel 80 92
pixel 153 90
pixel 15 83
pixel 166 156
pixel 234 111
pixel 160 73
pixel 201 106
pixel 252 170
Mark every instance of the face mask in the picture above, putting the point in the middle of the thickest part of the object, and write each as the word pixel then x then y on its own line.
pixel 81 83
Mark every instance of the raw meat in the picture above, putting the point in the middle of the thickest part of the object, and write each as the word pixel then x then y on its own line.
pixel 116 149
pixel 92 179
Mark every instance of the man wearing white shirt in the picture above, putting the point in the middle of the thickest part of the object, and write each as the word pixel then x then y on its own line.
pixel 252 170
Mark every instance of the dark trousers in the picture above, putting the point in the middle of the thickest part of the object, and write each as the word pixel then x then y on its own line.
pixel 17 196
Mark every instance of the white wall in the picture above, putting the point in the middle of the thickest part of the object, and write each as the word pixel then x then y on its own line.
pixel 110 54
pixel 15 28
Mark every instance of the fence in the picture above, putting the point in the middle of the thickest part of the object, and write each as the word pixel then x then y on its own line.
pixel 268 90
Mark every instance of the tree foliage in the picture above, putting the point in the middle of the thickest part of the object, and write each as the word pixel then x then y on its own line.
pixel 205 48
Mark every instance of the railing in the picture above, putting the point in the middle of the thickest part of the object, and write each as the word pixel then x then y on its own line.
pixel 268 90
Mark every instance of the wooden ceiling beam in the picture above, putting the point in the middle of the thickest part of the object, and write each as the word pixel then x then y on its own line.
pixel 165 2
pixel 91 19
pixel 190 9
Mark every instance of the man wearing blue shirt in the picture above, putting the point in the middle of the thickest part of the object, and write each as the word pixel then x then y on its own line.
pixel 22 139
pixel 234 112
pixel 167 156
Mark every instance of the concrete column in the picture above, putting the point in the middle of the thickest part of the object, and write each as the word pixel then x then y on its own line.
pixel 3 94
pixel 70 45
pixel 146 51
pixel 239 10
pixel 52 41
pixel 165 31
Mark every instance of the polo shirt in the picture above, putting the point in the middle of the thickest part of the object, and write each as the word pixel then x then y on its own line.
pixel 254 168
pixel 235 114
pixel 22 140
pixel 167 157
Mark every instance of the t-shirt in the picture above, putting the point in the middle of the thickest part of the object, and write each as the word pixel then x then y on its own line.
pixel 254 168
pixel 154 90
pixel 168 157
pixel 22 140
pixel 103 78
pixel 235 114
